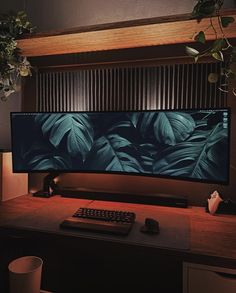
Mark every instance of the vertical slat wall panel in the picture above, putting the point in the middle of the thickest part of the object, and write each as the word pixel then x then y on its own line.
pixel 177 86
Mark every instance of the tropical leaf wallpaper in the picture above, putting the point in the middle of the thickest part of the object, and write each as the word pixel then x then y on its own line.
pixel 181 144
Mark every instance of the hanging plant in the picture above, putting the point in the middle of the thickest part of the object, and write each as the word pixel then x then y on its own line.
pixel 221 49
pixel 12 64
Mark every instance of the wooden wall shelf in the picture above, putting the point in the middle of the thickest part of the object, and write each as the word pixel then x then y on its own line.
pixel 124 35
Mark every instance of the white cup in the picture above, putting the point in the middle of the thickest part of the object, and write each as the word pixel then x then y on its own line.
pixel 25 274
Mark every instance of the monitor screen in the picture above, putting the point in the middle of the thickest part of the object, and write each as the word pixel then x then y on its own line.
pixel 179 144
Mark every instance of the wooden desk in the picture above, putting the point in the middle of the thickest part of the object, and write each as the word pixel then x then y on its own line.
pixel 84 260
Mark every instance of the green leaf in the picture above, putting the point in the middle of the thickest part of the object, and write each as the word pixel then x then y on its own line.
pixel 200 37
pixel 146 123
pixel 166 127
pixel 134 117
pixel 50 162
pixel 226 20
pixel 75 129
pixel 12 65
pixel 173 127
pixel 198 157
pixel 204 8
pixel 113 152
pixel 218 45
pixel 234 91
pixel 191 51
pixel 196 59
pixel 119 124
pixel 231 76
pixel 147 153
pixel 218 56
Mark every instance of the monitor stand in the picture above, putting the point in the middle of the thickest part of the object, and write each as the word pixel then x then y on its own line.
pixel 49 186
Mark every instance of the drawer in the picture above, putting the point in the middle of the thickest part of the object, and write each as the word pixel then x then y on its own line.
pixel 205 279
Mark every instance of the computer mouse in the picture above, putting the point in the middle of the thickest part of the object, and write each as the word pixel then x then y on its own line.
pixel 151 226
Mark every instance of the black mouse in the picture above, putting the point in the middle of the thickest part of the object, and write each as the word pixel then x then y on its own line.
pixel 151 226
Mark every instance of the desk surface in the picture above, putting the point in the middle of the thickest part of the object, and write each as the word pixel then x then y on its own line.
pixel 209 236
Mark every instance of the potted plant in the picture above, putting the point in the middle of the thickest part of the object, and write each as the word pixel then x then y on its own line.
pixel 12 64
pixel 221 49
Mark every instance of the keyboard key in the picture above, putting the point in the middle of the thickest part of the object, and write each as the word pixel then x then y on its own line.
pixel 107 221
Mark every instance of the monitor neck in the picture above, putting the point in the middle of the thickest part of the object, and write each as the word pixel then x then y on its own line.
pixel 49 185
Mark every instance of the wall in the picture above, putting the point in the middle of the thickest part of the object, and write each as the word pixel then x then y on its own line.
pixel 232 186
pixel 11 105
pixel 60 14
pixel 12 5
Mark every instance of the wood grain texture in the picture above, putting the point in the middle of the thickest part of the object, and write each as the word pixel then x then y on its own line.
pixel 212 237
pixel 153 34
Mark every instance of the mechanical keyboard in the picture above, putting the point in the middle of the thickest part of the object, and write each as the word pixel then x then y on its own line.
pixel 107 221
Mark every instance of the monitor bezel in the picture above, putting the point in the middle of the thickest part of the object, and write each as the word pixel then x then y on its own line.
pixel 181 178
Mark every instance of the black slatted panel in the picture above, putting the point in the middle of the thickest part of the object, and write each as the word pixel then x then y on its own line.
pixel 177 86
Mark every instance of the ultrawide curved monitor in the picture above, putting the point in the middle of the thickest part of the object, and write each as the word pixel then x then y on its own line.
pixel 179 144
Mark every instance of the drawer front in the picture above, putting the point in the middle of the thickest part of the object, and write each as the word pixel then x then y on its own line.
pixel 208 281
pixel 205 279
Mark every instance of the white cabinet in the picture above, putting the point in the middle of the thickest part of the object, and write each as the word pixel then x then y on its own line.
pixel 201 278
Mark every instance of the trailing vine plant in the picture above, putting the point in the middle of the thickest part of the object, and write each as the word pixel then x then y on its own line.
pixel 12 64
pixel 221 49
